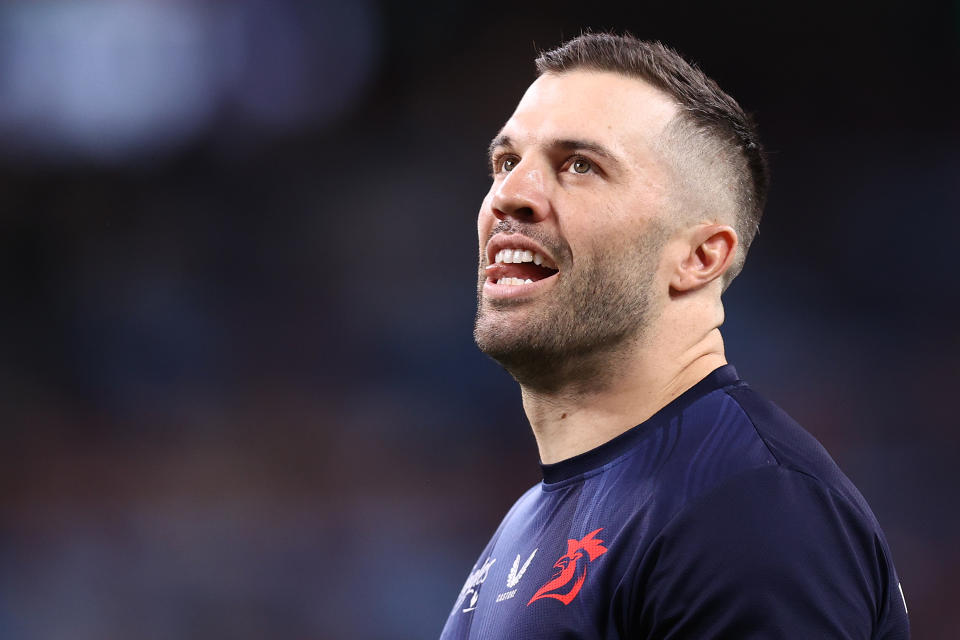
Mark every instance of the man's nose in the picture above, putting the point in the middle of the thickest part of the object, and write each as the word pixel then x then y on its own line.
pixel 522 195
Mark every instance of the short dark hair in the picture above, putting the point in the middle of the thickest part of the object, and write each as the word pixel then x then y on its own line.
pixel 705 110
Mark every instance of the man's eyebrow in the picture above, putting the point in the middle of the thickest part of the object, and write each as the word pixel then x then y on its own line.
pixel 500 141
pixel 567 144
pixel 587 145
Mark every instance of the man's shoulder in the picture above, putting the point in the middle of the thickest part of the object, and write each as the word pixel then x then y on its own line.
pixel 777 549
pixel 781 544
pixel 735 437
pixel 795 449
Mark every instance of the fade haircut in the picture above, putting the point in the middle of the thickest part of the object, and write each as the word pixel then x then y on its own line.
pixel 710 126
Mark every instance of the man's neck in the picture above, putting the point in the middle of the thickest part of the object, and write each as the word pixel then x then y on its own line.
pixel 569 422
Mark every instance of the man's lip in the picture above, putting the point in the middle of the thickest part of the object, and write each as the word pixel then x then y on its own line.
pixel 493 290
pixel 516 241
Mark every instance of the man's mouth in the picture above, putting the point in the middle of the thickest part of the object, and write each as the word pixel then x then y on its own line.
pixel 519 266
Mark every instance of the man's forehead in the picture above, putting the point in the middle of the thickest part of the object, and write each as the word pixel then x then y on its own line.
pixel 609 107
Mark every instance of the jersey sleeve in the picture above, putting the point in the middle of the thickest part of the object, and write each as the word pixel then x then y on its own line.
pixel 771 553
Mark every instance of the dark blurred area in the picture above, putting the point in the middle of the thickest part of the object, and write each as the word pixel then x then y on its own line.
pixel 240 394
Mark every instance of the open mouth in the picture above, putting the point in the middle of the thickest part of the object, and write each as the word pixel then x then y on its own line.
pixel 520 266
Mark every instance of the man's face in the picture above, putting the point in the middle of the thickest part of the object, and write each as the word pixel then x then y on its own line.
pixel 578 189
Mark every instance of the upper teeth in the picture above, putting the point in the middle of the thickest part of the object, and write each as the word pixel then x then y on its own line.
pixel 516 256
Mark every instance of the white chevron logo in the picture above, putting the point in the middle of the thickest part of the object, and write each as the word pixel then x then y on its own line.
pixel 513 579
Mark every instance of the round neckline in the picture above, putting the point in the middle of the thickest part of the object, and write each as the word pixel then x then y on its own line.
pixel 587 461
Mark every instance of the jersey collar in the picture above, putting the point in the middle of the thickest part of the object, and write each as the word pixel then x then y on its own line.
pixel 612 449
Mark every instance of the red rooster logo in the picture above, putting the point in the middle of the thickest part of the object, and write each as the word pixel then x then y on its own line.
pixel 571 569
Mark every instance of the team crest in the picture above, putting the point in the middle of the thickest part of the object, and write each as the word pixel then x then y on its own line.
pixel 571 569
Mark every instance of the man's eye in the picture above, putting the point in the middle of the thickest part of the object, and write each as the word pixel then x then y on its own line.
pixel 581 165
pixel 508 164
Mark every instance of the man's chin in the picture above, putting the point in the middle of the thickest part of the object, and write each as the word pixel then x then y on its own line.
pixel 502 341
pixel 526 354
pixel 533 366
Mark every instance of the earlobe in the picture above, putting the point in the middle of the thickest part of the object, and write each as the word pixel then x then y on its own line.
pixel 711 250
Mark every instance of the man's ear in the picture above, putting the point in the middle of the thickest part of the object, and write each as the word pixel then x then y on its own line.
pixel 712 248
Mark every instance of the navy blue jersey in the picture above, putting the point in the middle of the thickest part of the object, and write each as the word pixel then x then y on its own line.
pixel 719 517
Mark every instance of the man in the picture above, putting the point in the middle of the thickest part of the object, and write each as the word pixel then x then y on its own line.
pixel 675 502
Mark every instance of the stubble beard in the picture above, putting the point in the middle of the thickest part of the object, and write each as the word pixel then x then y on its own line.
pixel 585 330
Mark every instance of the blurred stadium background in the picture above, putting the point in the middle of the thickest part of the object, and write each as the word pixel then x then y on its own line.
pixel 239 393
